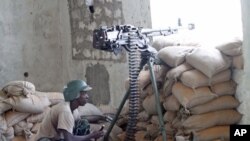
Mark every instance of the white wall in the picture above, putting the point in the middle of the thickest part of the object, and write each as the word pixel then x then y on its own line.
pixel 243 93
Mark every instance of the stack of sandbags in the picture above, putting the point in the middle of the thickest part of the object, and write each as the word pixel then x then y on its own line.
pixel 205 90
pixel 196 94
pixel 23 108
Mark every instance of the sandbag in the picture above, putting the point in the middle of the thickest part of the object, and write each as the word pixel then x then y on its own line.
pixel 167 86
pixel 176 72
pixel 152 131
pixel 169 116
pixel 9 134
pixel 238 62
pixel 189 97
pixel 140 135
pixel 160 138
pixel 195 79
pixel 3 124
pixel 220 103
pixel 17 88
pixel 209 61
pixel 4 107
pixel 224 88
pixel 149 104
pixel 207 120
pixel 143 116
pixel 190 38
pixel 54 97
pixel 88 110
pixel 213 133
pixel 174 55
pixel 34 118
pixel 237 75
pixel 231 47
pixel 13 117
pixel 28 104
pixel 141 125
pixel 35 127
pixel 3 96
pixel 155 120
pixel 171 103
pixel 19 138
pixel 144 78
pixel 21 127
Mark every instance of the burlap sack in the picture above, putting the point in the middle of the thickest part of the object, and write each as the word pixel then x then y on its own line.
pixel 177 123
pixel 195 79
pixel 160 138
pixel 13 117
pixel 209 61
pixel 152 131
pixel 167 86
pixel 143 116
pixel 213 133
pixel 190 38
pixel 142 125
pixel 155 120
pixel 9 134
pixel 237 75
pixel 28 104
pixel 231 47
pixel 224 88
pixel 3 124
pixel 140 135
pixel 174 55
pixel 4 107
pixel 17 88
pixel 19 138
pixel 161 42
pixel 21 127
pixel 89 110
pixel 149 104
pixel 34 118
pixel 54 97
pixel 176 72
pixel 144 78
pixel 171 103
pixel 238 62
pixel 169 116
pixel 220 103
pixel 35 127
pixel 3 96
pixel 189 97
pixel 207 120
pixel 169 129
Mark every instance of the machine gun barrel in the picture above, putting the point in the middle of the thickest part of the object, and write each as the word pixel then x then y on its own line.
pixel 158 32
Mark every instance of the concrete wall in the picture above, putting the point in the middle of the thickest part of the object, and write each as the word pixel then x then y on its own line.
pixel 243 91
pixel 36 37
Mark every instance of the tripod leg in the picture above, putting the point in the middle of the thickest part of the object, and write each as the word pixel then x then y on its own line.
pixel 106 136
pixel 157 99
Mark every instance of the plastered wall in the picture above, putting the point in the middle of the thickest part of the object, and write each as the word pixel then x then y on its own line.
pixel 243 91
pixel 37 36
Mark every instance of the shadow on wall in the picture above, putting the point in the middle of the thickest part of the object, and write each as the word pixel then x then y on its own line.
pixel 97 77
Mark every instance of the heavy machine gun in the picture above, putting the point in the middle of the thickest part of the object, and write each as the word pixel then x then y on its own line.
pixel 136 42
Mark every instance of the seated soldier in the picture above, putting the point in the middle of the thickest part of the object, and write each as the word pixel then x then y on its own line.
pixel 60 123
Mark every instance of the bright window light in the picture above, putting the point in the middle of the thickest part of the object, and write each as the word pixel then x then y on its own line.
pixel 223 16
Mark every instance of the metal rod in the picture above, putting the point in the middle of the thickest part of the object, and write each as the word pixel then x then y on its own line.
pixel 157 99
pixel 106 136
